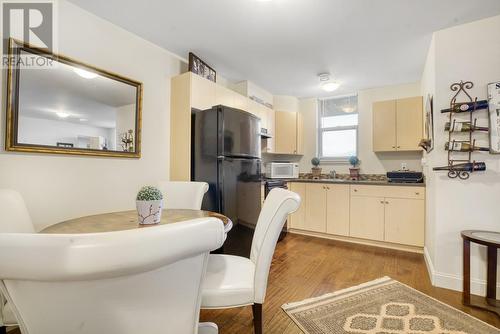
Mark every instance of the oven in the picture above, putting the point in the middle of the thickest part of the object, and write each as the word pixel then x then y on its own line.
pixel 270 185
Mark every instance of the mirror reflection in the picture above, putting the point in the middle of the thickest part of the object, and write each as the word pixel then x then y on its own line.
pixel 73 107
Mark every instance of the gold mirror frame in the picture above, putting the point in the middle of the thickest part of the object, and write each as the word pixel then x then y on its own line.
pixel 15 46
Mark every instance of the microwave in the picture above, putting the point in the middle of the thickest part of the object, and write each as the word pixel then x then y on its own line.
pixel 282 170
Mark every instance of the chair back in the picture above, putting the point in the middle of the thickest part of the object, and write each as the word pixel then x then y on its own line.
pixel 277 206
pixel 136 281
pixel 14 215
pixel 183 195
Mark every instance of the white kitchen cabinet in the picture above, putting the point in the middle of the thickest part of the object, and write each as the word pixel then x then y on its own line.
pixel 337 209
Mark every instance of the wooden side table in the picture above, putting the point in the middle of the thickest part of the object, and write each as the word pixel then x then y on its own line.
pixel 492 241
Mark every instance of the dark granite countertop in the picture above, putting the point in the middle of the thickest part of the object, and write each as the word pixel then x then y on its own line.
pixel 362 182
pixel 365 179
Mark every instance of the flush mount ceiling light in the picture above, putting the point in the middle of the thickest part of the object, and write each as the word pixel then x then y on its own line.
pixel 327 84
pixel 85 74
pixel 62 114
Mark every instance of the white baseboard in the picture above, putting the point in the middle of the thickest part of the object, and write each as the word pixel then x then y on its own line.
pixel 453 282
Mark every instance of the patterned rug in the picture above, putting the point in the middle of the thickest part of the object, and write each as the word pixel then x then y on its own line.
pixel 382 306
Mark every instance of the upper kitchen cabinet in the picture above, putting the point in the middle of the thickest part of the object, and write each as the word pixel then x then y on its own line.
pixel 188 91
pixel 397 124
pixel 203 92
pixel 288 125
pixel 230 98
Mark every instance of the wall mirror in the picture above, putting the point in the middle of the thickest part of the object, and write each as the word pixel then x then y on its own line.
pixel 69 107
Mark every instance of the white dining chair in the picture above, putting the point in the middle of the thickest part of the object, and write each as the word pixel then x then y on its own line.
pixel 183 195
pixel 234 281
pixel 15 218
pixel 135 281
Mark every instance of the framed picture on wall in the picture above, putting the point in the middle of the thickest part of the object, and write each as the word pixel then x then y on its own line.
pixel 494 116
pixel 429 122
pixel 198 66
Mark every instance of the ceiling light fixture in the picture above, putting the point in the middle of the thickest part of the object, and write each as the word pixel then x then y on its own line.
pixel 327 84
pixel 85 74
pixel 62 114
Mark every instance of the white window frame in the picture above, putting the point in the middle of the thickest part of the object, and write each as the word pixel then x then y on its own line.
pixel 320 131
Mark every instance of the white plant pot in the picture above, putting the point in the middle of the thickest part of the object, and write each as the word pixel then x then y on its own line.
pixel 149 212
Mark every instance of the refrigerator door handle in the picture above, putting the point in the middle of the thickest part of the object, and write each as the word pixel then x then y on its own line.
pixel 220 184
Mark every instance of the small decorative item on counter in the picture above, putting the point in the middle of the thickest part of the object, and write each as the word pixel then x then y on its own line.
pixel 354 171
pixel 316 171
pixel 149 203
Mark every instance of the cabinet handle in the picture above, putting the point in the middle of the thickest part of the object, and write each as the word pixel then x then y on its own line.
pixel 328 188
pixel 394 147
pixel 399 146
pixel 417 193
pixel 386 202
pixel 381 202
pixel 355 190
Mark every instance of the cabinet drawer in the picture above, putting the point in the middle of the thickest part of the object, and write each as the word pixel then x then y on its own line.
pixel 388 191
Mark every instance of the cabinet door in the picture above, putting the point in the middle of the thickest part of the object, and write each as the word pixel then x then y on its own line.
pixel 297 219
pixel 240 101
pixel 315 207
pixel 384 126
pixel 404 221
pixel 202 93
pixel 286 132
pixel 300 134
pixel 337 209
pixel 224 96
pixel 254 108
pixel 263 116
pixel 409 119
pixel 367 218
pixel 271 130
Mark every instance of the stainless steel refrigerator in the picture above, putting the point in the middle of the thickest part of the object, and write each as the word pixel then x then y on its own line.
pixel 226 147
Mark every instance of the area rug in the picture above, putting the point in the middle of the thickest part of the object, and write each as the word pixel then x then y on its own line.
pixel 383 306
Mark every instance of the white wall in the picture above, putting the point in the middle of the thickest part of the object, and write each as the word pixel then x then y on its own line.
pixel 50 132
pixel 371 163
pixel 455 205
pixel 58 187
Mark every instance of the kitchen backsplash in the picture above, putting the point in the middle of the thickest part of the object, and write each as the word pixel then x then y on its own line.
pixel 362 177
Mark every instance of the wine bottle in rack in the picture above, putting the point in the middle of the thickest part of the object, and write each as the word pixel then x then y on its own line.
pixel 466 167
pixel 463 127
pixel 466 107
pixel 463 147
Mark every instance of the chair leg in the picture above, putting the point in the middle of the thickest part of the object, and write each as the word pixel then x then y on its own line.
pixel 3 330
pixel 257 318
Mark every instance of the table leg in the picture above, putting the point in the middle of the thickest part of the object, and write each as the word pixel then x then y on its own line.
pixel 466 268
pixel 491 280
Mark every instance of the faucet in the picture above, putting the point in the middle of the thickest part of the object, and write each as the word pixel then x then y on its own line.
pixel 333 174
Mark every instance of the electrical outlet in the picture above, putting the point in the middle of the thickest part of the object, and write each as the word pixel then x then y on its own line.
pixel 404 166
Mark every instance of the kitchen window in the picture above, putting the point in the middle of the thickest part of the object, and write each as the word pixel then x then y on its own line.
pixel 338 128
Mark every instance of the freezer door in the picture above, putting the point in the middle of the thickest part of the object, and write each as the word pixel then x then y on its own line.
pixel 239 182
pixel 239 133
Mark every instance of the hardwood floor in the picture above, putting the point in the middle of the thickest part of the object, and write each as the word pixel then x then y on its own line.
pixel 305 267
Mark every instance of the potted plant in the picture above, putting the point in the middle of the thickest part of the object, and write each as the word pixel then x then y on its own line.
pixel 316 171
pixel 149 203
pixel 354 171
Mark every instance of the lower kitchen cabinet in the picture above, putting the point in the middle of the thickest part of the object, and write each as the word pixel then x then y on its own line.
pixel 404 221
pixel 337 209
pixel 367 218
pixel 297 219
pixel 315 200
pixel 387 214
